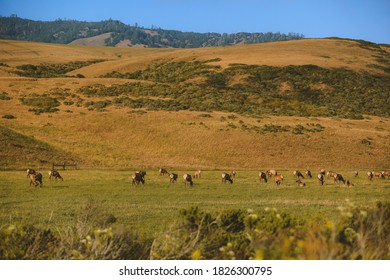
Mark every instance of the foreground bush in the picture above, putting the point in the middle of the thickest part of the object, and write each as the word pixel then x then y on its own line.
pixel 268 234
pixel 232 234
pixel 27 243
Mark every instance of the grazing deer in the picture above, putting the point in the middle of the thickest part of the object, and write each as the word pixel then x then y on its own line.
pixel 263 176
pixel 138 177
pixel 187 179
pixel 370 175
pixel 197 174
pixel 173 177
pixel 55 174
pixel 298 174
pixel 163 171
pixel 320 178
pixel 226 177
pixel 279 179
pixel 36 179
pixel 338 178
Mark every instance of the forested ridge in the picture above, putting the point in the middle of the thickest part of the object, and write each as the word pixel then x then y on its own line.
pixel 65 31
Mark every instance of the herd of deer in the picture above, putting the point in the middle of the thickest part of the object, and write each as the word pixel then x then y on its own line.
pixel 264 176
pixel 36 178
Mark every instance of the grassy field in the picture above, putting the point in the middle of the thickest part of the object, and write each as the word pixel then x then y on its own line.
pixel 153 208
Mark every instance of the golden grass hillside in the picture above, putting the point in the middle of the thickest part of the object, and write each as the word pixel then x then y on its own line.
pixel 128 138
pixel 321 52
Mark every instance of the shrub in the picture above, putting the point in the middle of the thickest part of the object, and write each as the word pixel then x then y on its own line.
pixel 4 96
pixel 365 142
pixel 269 234
pixel 41 103
pixel 358 233
pixel 52 70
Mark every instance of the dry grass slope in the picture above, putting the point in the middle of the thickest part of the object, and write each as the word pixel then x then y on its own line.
pixel 126 138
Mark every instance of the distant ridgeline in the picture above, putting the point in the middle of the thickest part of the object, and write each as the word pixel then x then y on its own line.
pixel 66 31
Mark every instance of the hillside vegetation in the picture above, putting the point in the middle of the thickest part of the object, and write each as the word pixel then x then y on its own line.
pixel 307 103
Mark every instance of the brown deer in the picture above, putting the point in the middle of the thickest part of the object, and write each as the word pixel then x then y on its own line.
pixel 163 171
pixel 370 175
pixel 55 174
pixel 226 177
pixel 263 177
pixel 279 179
pixel 138 177
pixel 298 174
pixel 338 178
pixel 173 177
pixel 320 178
pixel 197 174
pixel 187 179
pixel 36 179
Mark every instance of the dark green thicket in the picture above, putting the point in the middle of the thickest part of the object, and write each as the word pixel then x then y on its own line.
pixel 52 70
pixel 41 103
pixel 4 96
pixel 172 72
pixel 311 91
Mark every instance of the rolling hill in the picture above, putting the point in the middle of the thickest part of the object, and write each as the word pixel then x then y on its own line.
pixel 313 103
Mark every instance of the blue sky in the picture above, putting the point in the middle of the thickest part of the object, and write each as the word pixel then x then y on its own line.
pixel 357 19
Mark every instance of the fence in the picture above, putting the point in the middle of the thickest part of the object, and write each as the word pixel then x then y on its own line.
pixel 64 165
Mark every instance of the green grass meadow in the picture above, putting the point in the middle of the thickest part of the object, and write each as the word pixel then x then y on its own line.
pixel 154 207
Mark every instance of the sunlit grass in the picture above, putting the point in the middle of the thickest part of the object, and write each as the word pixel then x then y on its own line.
pixel 154 207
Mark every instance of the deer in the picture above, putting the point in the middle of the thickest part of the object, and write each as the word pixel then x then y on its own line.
pixel 226 177
pixel 187 179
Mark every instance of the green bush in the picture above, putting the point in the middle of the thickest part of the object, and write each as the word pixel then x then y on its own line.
pixel 269 234
pixel 4 96
pixel 52 70
pixel 171 72
pixel 41 103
